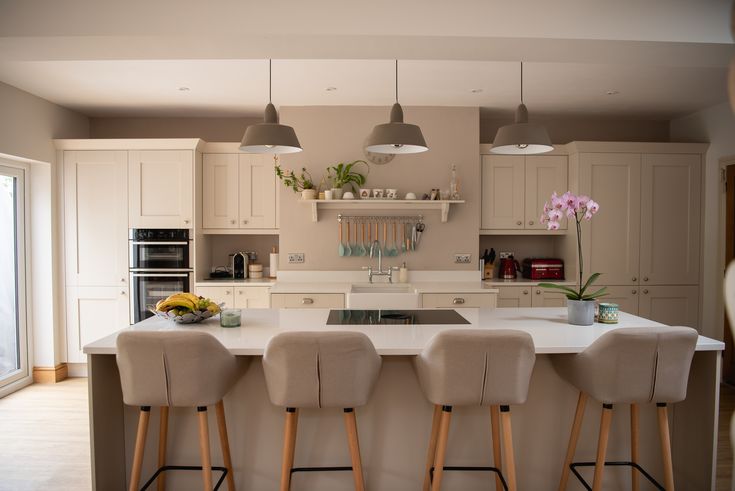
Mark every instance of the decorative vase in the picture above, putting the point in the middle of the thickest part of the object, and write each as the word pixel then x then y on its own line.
pixel 581 312
pixel 308 194
pixel 337 193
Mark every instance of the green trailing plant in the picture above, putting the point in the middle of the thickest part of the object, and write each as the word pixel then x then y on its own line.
pixel 296 182
pixel 342 174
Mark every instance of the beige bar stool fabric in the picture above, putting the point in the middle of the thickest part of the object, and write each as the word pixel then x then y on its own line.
pixel 179 369
pixel 629 366
pixel 730 305
pixel 475 367
pixel 325 369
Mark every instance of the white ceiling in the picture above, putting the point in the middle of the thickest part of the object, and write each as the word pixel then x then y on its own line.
pixel 240 87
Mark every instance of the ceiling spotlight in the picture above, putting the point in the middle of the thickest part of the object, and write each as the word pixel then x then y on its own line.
pixel 612 92
pixel 476 91
pixel 184 89
pixel 331 89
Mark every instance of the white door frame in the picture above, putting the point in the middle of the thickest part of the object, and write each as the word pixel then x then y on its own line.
pixel 24 375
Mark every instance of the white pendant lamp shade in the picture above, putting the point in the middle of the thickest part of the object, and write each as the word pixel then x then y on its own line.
pixel 270 136
pixel 521 137
pixel 396 136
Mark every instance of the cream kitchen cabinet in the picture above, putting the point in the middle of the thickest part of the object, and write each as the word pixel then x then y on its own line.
pixel 625 296
pixel 515 188
pixel 161 188
pixel 546 298
pixel 237 297
pixel 307 300
pixel 514 296
pixel 673 305
pixel 93 312
pixel 458 300
pixel 238 191
pixel 95 197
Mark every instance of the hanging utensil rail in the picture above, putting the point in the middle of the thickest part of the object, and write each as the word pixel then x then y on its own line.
pixel 381 218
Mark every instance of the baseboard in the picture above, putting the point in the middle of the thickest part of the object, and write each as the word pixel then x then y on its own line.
pixel 77 369
pixel 50 375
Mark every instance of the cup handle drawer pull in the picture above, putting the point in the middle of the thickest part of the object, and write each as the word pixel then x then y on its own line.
pixel 307 301
pixel 458 301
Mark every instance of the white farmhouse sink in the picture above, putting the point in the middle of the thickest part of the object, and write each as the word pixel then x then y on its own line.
pixel 382 296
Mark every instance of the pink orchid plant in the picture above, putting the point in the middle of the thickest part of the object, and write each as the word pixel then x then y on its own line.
pixel 578 208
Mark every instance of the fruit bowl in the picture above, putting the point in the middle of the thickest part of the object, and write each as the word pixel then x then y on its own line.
pixel 186 308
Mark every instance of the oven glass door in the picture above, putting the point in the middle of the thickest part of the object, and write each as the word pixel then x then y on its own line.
pixel 149 288
pixel 159 255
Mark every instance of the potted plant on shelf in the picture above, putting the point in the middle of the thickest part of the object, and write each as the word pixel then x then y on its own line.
pixel 580 303
pixel 303 183
pixel 342 174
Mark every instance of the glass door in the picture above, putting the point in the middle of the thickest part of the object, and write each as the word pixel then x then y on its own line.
pixel 13 331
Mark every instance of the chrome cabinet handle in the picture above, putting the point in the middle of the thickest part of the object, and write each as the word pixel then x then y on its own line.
pixel 239 292
pixel 538 292
pixel 525 292
pixel 634 292
pixel 122 292
pixel 645 292
pixel 458 301
pixel 307 301
pixel 645 278
pixel 227 292
pixel 635 279
pixel 244 222
pixel 232 222
pixel 519 223
pixel 186 222
pixel 122 280
pixel 530 222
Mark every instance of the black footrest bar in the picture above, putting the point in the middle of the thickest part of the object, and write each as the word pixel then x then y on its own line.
pixel 165 468
pixel 471 468
pixel 319 469
pixel 573 466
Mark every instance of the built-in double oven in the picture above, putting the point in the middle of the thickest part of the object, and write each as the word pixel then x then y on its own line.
pixel 160 265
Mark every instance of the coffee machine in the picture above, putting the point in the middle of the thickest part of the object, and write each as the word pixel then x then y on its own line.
pixel 239 264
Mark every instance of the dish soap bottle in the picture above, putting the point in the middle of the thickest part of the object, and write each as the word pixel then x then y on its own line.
pixel 403 273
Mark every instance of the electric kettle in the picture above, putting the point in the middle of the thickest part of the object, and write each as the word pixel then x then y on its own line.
pixel 509 268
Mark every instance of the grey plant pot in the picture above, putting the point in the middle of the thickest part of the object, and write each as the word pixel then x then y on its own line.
pixel 581 312
pixel 337 193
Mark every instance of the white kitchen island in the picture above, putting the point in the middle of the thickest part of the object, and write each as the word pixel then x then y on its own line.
pixel 394 427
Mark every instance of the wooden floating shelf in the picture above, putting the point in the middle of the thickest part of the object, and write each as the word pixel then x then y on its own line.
pixel 380 204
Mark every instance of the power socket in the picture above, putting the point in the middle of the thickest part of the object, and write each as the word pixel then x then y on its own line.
pixel 462 258
pixel 295 257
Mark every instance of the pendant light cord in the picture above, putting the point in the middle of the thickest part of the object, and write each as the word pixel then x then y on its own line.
pixel 396 80
pixel 521 82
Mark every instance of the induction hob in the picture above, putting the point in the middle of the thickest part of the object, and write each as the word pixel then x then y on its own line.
pixel 350 317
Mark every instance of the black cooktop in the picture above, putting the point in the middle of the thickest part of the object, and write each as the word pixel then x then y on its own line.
pixel 363 317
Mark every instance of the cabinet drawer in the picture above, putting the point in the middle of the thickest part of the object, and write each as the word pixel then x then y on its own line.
pixel 252 297
pixel 458 300
pixel 514 296
pixel 218 294
pixel 307 300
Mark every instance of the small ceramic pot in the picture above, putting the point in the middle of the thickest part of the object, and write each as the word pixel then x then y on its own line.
pixel 391 193
pixel 608 313
pixel 581 312
pixel 377 193
pixel 337 193
pixel 308 194
pixel 364 193
pixel 328 194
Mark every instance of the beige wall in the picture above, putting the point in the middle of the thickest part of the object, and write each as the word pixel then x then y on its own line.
pixel 575 128
pixel 334 134
pixel 28 124
pixel 208 129
pixel 715 125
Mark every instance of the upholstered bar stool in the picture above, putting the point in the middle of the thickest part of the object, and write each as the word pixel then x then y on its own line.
pixel 469 367
pixel 177 369
pixel 320 370
pixel 628 366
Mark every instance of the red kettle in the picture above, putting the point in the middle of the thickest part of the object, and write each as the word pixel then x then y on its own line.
pixel 509 268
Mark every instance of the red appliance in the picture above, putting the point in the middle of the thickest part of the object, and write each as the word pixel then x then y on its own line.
pixel 509 268
pixel 543 269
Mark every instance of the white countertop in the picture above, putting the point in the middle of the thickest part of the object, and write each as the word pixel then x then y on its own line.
pixel 525 282
pixel 233 282
pixel 548 327
pixel 420 287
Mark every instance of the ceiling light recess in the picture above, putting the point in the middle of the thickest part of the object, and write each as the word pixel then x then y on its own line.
pixel 270 136
pixel 521 137
pixel 396 136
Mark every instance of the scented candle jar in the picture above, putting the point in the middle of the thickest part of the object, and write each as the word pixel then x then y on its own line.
pixel 230 318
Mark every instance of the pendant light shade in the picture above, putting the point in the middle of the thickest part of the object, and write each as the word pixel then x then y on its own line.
pixel 270 136
pixel 522 137
pixel 396 136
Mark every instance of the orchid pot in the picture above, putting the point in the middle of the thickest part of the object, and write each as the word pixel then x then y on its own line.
pixel 581 312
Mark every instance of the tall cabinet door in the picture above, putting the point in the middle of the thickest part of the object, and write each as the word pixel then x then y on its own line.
pixel 670 219
pixel 93 313
pixel 257 192
pixel 161 188
pixel 503 190
pixel 220 190
pixel 545 175
pixel 672 305
pixel 612 237
pixel 96 217
pixel 625 296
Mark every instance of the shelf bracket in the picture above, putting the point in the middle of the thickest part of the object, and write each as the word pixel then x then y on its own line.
pixel 314 212
pixel 445 212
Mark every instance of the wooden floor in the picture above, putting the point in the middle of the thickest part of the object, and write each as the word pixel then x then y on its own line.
pixel 44 438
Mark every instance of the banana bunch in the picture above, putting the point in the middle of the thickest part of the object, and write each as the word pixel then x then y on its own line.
pixel 182 303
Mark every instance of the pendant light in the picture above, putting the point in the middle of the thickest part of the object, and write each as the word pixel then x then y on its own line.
pixel 270 136
pixel 522 137
pixel 396 136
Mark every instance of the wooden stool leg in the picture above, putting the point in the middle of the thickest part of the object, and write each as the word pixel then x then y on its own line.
pixel 663 429
pixel 431 454
pixel 441 447
pixel 225 444
pixel 204 448
pixel 162 441
pixel 573 437
pixel 354 444
pixel 510 464
pixel 289 446
pixel 634 446
pixel 497 455
pixel 605 421
pixel 143 417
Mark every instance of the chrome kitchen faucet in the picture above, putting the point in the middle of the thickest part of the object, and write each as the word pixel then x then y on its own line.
pixel 375 248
